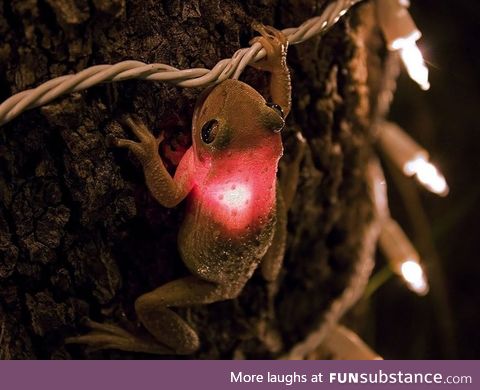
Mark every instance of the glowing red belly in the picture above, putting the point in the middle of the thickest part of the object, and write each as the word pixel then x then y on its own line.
pixel 237 194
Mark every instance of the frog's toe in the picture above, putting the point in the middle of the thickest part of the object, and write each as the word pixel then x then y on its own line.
pixel 264 42
pixel 99 340
pixel 275 44
pixel 277 35
pixel 138 127
pixel 111 336
pixel 105 327
pixel 270 34
pixel 102 336
pixel 146 149
pixel 264 30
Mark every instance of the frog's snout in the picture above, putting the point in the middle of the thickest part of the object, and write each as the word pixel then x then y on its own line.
pixel 273 122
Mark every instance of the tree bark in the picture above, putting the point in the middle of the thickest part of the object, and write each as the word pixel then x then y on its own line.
pixel 79 233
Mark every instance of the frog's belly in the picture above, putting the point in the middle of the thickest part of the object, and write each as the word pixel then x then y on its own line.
pixel 214 253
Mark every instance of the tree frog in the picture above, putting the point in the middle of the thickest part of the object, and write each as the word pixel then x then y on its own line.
pixel 236 214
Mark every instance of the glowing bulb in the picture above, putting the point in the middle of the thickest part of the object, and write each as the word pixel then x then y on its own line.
pixel 427 174
pixel 413 274
pixel 404 42
pixel 401 34
pixel 402 256
pixel 413 60
pixel 411 158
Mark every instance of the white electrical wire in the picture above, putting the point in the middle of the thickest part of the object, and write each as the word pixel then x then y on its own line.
pixel 196 77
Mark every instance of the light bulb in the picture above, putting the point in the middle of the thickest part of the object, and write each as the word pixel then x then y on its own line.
pixel 402 256
pixel 414 276
pixel 427 174
pixel 414 63
pixel 410 157
pixel 401 35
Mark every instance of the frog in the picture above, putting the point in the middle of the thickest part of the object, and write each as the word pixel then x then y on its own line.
pixel 236 211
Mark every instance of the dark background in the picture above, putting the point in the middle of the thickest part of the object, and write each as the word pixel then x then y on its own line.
pixel 444 324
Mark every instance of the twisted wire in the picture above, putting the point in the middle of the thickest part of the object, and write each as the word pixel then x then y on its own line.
pixel 195 77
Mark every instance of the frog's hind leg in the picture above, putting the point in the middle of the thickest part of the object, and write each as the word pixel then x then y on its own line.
pixel 167 326
pixel 273 259
pixel 286 188
pixel 172 335
pixel 290 173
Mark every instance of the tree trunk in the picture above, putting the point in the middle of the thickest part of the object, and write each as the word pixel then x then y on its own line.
pixel 81 236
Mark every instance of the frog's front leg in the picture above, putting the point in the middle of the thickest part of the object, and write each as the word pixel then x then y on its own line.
pixel 276 44
pixel 167 191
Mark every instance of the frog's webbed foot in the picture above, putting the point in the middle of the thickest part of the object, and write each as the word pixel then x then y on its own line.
pixel 110 336
pixel 146 149
pixel 275 44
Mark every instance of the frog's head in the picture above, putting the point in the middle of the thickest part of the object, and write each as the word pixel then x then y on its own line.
pixel 231 117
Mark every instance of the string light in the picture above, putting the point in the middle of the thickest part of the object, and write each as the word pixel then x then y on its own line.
pixel 188 78
pixel 402 35
pixel 410 157
pixel 402 256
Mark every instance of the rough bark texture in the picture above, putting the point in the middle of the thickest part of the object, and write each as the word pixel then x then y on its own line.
pixel 79 233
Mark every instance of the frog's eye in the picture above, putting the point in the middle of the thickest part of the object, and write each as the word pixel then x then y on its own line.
pixel 209 131
pixel 277 108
